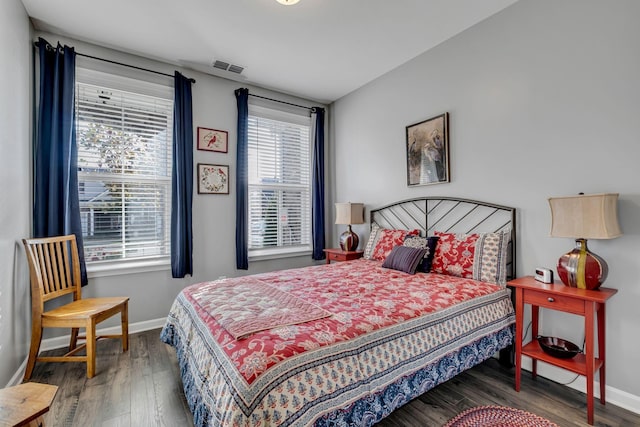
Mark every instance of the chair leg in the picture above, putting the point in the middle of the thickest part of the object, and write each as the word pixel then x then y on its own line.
pixel 91 348
pixel 36 339
pixel 74 338
pixel 124 320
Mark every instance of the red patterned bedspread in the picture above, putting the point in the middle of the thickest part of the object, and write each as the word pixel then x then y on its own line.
pixel 361 295
pixel 390 337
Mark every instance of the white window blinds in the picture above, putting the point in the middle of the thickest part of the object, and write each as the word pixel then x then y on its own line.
pixel 124 136
pixel 279 180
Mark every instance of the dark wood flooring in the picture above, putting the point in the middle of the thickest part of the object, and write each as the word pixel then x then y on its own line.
pixel 143 388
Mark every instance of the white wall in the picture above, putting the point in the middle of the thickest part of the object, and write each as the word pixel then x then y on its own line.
pixel 544 100
pixel 15 161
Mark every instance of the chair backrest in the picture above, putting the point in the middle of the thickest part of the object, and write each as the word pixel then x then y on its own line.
pixel 54 268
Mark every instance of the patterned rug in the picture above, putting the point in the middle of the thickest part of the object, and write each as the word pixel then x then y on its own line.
pixel 497 416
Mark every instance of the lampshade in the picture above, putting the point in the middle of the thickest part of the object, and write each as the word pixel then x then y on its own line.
pixel 586 216
pixel 582 217
pixel 287 2
pixel 349 213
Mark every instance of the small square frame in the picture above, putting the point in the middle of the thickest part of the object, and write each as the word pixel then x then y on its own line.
pixel 213 179
pixel 213 140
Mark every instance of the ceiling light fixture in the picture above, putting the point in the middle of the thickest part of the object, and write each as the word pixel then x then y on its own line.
pixel 288 2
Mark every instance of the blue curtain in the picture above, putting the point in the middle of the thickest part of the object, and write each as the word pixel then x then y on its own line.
pixel 317 186
pixel 182 179
pixel 56 205
pixel 242 180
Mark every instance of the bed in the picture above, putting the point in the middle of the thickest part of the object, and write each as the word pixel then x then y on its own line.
pixel 347 343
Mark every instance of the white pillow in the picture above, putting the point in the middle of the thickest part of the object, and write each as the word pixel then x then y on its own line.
pixel 371 242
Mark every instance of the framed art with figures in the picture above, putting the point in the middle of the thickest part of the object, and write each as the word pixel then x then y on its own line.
pixel 213 140
pixel 428 151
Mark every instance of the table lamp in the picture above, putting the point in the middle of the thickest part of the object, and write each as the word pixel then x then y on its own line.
pixel 582 217
pixel 347 214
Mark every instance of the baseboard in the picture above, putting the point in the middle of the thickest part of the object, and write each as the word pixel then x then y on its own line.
pixel 63 341
pixel 614 396
pixel 59 342
pixel 17 377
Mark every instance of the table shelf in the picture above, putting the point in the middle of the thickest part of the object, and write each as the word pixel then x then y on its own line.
pixel 576 364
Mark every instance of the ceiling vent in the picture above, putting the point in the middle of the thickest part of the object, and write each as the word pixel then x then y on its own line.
pixel 232 68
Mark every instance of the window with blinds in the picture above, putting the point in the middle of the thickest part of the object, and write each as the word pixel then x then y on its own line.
pixel 279 181
pixel 124 136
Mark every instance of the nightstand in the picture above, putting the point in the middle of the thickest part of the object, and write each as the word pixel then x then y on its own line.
pixel 555 296
pixel 340 255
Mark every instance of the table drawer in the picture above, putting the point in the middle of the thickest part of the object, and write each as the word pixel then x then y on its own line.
pixel 337 257
pixel 554 302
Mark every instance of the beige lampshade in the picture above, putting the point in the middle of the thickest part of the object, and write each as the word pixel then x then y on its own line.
pixel 349 213
pixel 587 216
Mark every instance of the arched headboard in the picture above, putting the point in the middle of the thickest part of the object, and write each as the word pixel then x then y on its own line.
pixel 452 215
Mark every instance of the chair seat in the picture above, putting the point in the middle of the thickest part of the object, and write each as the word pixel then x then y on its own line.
pixel 83 309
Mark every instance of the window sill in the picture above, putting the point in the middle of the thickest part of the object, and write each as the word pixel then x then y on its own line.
pixel 117 268
pixel 267 254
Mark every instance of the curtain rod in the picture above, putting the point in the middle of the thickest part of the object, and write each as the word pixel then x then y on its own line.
pixel 130 66
pixel 283 102
pixel 122 64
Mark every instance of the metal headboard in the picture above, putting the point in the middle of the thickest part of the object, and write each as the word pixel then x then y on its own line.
pixel 453 215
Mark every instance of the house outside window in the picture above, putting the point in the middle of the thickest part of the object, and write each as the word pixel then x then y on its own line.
pixel 279 166
pixel 124 137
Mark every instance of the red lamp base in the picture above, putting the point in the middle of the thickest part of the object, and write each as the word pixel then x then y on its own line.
pixel 349 240
pixel 581 268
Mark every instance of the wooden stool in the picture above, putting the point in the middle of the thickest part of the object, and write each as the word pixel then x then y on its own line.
pixel 24 404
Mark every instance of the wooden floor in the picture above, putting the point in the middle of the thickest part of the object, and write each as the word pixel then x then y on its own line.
pixel 142 388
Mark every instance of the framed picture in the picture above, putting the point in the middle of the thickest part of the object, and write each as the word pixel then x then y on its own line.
pixel 213 140
pixel 428 151
pixel 213 179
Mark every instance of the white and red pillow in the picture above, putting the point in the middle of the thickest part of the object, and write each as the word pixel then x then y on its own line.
pixel 454 254
pixel 387 239
pixel 371 242
pixel 481 256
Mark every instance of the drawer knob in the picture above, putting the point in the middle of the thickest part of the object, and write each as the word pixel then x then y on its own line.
pixel 550 299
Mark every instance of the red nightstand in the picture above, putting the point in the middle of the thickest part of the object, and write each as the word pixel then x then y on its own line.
pixel 340 255
pixel 583 302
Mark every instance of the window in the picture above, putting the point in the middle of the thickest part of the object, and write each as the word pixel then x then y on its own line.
pixel 124 136
pixel 279 182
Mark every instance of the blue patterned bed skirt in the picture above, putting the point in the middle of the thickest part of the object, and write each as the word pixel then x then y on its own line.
pixel 377 406
pixel 374 407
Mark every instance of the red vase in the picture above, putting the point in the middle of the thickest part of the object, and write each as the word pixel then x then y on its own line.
pixel 349 240
pixel 581 268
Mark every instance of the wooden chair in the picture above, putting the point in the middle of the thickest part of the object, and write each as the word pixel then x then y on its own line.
pixel 55 271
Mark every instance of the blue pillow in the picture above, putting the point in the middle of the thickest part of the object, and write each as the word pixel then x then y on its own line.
pixel 404 258
pixel 428 243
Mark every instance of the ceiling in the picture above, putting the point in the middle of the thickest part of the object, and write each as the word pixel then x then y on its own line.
pixel 316 49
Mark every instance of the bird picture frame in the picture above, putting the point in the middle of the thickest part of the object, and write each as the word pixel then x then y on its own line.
pixel 213 140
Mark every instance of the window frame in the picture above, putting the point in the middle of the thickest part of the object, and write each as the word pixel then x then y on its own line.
pixel 268 111
pixel 138 86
